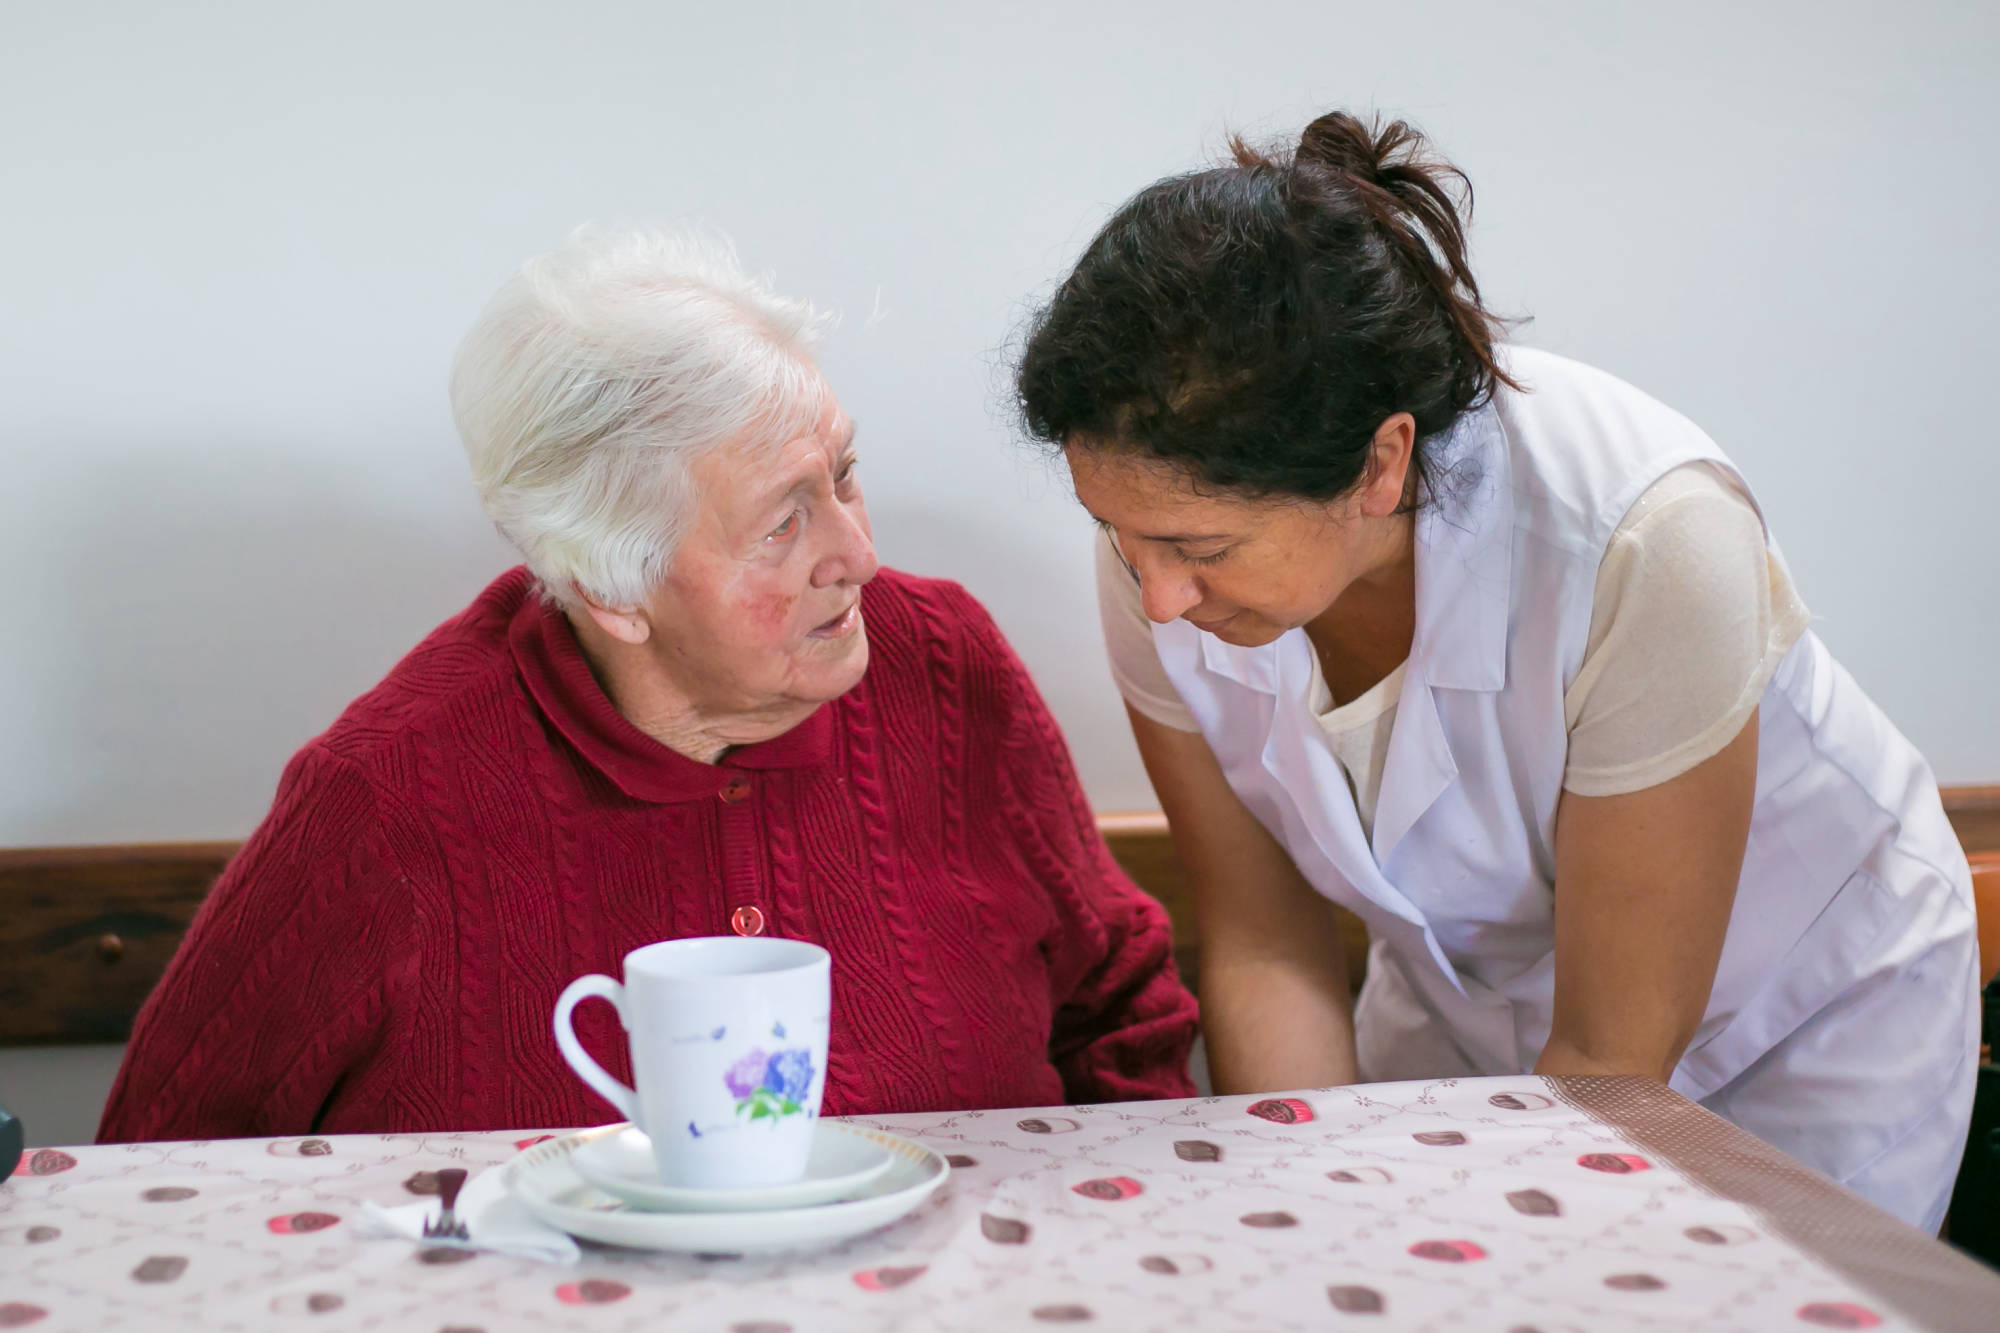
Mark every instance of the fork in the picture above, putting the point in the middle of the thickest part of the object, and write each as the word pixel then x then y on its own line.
pixel 446 1226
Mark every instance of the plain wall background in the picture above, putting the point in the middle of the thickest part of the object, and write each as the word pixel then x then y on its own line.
pixel 242 240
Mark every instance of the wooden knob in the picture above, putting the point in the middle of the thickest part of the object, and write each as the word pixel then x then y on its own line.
pixel 110 948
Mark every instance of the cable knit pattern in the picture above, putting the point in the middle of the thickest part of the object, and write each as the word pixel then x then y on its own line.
pixel 482 827
pixel 908 928
pixel 994 1009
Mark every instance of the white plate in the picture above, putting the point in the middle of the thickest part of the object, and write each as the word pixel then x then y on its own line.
pixel 844 1161
pixel 544 1179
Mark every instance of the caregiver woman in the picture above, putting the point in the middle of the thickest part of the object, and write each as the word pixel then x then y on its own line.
pixel 1495 651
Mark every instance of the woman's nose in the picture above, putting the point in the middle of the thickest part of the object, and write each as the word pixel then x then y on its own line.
pixel 1166 598
pixel 852 559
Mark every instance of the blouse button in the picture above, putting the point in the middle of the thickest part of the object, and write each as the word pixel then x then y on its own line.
pixel 747 921
pixel 735 789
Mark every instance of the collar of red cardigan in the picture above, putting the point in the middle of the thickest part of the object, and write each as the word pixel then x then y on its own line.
pixel 558 676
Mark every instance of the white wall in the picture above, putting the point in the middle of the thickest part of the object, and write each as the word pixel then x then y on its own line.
pixel 57 1092
pixel 238 244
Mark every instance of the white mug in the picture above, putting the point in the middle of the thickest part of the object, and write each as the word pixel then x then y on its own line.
pixel 728 1038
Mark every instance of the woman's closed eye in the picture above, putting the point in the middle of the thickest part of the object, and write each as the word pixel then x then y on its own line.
pixel 1212 558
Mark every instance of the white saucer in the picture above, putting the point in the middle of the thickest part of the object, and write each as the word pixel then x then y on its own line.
pixel 844 1161
pixel 545 1180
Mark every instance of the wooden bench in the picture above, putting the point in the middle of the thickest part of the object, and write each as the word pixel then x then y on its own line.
pixel 85 932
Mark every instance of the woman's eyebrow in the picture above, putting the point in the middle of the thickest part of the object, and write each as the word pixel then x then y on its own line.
pixel 799 482
pixel 1184 538
pixel 1181 538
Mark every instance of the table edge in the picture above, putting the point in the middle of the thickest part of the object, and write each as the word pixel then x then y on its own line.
pixel 1918 1275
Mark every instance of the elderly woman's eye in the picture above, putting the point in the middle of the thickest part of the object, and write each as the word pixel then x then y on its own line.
pixel 785 529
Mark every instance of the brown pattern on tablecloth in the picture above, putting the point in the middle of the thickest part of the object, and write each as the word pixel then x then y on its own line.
pixel 169 1194
pixel 1356 1300
pixel 299 1148
pixel 160 1268
pixel 1004 1230
pixel 45 1162
pixel 1481 1204
pixel 1270 1221
pixel 1932 1284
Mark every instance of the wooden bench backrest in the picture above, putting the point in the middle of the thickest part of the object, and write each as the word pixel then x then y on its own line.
pixel 86 931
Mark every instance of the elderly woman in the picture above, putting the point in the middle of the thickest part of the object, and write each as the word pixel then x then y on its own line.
pixel 701 707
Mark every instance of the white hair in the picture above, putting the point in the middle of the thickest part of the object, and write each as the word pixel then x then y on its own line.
pixel 597 376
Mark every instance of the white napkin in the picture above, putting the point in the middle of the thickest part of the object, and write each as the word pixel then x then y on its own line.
pixel 494 1219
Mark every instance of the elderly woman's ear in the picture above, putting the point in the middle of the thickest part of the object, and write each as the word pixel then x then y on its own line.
pixel 627 624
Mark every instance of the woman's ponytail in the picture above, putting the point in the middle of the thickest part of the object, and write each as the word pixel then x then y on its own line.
pixel 1421 202
pixel 1258 321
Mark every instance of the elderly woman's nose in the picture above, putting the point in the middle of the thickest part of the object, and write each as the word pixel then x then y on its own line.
pixel 852 559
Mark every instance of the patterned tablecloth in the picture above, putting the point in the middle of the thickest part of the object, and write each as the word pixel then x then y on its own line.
pixel 1502 1204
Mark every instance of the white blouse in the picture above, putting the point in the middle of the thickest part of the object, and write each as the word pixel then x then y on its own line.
pixel 1690 617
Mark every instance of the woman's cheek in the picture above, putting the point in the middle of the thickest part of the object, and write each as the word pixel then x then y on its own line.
pixel 771 614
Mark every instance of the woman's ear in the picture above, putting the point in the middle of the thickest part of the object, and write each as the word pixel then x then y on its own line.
pixel 1385 481
pixel 627 624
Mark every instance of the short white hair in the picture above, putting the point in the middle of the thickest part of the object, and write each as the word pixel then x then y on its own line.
pixel 599 374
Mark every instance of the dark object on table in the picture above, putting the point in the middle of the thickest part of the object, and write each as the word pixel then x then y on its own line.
pixel 12 1143
pixel 1974 1220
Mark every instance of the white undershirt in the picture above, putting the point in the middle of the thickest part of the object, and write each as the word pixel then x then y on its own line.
pixel 1690 617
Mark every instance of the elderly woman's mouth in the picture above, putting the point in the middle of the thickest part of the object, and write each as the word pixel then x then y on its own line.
pixel 841 625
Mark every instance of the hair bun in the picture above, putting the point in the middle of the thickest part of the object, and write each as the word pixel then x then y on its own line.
pixel 1344 144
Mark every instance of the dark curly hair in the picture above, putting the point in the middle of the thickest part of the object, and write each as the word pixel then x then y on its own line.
pixel 1257 322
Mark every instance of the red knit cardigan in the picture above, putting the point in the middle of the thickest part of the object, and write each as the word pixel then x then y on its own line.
pixel 482 827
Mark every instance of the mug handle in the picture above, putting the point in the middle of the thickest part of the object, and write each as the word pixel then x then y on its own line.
pixel 587 1069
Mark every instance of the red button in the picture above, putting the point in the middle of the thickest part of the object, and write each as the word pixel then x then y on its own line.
pixel 735 789
pixel 747 921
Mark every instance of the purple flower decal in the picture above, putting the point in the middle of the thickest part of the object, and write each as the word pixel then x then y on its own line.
pixel 746 1075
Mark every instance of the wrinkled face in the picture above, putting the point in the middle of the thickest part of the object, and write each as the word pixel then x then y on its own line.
pixel 1244 570
pixel 761 608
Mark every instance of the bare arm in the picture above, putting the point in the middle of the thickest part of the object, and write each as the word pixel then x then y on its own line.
pixel 1644 886
pixel 1275 1002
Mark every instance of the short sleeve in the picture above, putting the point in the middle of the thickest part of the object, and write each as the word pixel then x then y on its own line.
pixel 1691 616
pixel 1128 640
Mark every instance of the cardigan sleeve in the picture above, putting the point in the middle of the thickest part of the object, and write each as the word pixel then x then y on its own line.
pixel 1123 1023
pixel 285 980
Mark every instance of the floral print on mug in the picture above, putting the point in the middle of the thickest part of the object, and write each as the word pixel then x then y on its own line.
pixel 770 1087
